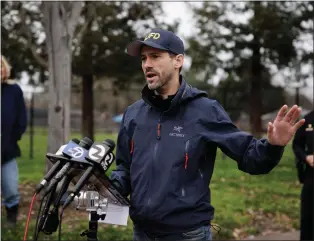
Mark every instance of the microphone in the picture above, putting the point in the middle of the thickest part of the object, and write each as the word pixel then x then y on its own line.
pixel 50 219
pixel 97 156
pixel 56 167
pixel 72 150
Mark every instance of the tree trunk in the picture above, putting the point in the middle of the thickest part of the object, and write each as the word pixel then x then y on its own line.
pixel 60 19
pixel 88 106
pixel 256 83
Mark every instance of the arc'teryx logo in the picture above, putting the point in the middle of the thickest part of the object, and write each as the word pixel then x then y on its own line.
pixel 177 128
pixel 177 131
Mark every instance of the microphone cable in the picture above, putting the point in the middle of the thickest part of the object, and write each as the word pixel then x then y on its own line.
pixel 60 222
pixel 29 216
pixel 46 199
pixel 36 231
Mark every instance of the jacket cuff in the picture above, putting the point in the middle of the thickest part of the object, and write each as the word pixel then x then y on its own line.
pixel 118 186
pixel 274 151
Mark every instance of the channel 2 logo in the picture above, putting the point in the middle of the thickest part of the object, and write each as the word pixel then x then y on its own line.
pixel 97 153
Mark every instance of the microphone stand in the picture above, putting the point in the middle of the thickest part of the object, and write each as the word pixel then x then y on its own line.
pixel 91 233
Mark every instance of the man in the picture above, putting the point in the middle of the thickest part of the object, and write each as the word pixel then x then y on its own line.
pixel 303 147
pixel 167 145
pixel 13 125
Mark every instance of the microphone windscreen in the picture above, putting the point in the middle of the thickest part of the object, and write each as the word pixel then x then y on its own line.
pixel 86 143
pixel 77 141
pixel 110 143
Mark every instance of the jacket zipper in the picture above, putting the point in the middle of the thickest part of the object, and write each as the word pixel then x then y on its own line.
pixel 158 131
pixel 132 147
pixel 158 137
pixel 186 154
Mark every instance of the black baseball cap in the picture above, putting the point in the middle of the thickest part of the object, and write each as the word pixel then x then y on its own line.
pixel 159 39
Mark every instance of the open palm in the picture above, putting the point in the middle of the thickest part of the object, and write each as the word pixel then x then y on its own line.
pixel 281 131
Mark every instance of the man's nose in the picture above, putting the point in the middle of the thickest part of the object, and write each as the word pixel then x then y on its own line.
pixel 147 63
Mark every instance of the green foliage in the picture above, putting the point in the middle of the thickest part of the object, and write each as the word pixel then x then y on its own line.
pixel 244 40
pixel 274 25
pixel 233 96
pixel 106 30
pixel 243 203
pixel 21 36
pixel 99 42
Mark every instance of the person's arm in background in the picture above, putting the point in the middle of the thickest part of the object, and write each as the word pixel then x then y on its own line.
pixel 21 117
pixel 298 144
pixel 121 175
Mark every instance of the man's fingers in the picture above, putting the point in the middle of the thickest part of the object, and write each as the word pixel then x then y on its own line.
pixel 270 127
pixel 290 113
pixel 296 115
pixel 281 113
pixel 298 124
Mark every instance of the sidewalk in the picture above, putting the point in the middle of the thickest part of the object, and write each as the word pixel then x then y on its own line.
pixel 293 235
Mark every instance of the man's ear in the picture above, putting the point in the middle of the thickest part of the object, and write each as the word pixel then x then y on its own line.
pixel 179 60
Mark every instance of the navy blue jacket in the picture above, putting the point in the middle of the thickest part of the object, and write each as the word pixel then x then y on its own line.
pixel 165 160
pixel 13 120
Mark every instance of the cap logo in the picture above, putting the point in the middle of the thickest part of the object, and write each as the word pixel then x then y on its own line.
pixel 152 35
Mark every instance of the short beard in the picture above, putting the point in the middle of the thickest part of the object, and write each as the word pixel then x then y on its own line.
pixel 155 87
pixel 168 78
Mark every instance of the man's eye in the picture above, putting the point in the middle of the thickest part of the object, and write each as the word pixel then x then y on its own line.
pixel 155 56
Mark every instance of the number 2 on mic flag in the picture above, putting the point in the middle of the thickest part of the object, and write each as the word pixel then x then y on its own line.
pixel 97 152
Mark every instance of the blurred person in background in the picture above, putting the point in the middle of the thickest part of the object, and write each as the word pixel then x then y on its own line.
pixel 13 125
pixel 167 145
pixel 303 147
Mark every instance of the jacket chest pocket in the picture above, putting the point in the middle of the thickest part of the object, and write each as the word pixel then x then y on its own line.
pixel 141 144
pixel 142 134
pixel 140 150
pixel 194 153
pixel 183 143
pixel 187 172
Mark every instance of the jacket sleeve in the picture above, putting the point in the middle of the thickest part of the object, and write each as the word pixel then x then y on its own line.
pixel 298 144
pixel 121 175
pixel 21 117
pixel 252 155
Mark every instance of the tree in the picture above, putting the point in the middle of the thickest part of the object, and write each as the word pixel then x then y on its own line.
pixel 21 37
pixel 106 29
pixel 59 20
pixel 244 50
pixel 99 40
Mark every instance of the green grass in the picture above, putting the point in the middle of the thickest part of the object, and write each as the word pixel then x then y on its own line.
pixel 235 195
pixel 244 204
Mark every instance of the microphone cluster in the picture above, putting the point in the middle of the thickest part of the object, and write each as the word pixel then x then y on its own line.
pixel 84 155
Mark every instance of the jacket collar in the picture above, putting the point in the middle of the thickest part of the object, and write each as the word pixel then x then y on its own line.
pixel 147 95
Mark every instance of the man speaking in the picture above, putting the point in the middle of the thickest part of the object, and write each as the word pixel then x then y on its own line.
pixel 167 146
